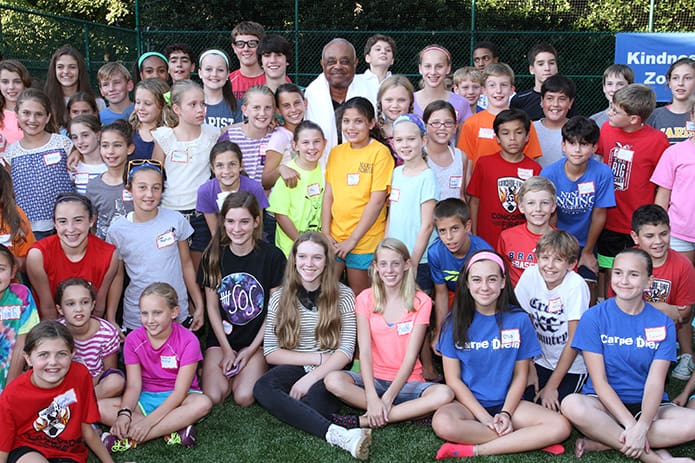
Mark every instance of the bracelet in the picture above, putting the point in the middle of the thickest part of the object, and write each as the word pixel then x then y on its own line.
pixel 125 411
pixel 506 413
pixel 320 359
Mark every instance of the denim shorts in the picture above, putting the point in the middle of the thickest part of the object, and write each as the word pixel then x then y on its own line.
pixel 410 391
pixel 201 236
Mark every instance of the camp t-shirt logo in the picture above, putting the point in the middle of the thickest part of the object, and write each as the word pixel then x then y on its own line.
pixel 620 160
pixel 659 291
pixel 53 419
pixel 507 191
pixel 241 297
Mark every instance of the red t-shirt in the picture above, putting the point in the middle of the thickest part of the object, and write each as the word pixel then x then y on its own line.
pixel 92 267
pixel 674 281
pixel 49 420
pixel 496 182
pixel 633 157
pixel 517 245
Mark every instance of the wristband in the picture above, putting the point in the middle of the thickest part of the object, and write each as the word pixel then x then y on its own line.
pixel 505 412
pixel 125 411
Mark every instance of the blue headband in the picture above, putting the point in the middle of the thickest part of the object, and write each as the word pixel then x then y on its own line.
pixel 411 118
pixel 134 169
pixel 150 54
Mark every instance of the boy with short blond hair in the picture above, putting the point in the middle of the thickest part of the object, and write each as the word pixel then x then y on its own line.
pixel 632 150
pixel 245 39
pixel 496 180
pixel 115 85
pixel 468 82
pixel 615 77
pixel 477 136
pixel 555 297
pixel 517 245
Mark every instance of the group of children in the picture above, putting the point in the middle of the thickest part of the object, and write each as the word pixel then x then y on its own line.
pixel 476 224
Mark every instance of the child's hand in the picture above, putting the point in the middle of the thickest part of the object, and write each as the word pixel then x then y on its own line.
pixel 139 430
pixel 302 386
pixel 243 356
pixel 197 319
pixel 289 176
pixel 228 359
pixel 503 424
pixel 377 413
pixel 73 160
pixel 588 259
pixel 549 398
pixel 634 440
pixel 120 426
pixel 681 399
pixel 343 248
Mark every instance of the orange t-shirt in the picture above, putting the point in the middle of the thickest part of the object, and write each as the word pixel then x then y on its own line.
pixel 477 138
pixel 20 245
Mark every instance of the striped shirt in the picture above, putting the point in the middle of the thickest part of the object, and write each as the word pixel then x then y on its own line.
pixel 308 321
pixel 92 352
pixel 252 149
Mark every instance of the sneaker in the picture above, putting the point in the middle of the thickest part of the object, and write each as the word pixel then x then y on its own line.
pixel 684 368
pixel 346 421
pixel 114 444
pixel 356 441
pixel 185 437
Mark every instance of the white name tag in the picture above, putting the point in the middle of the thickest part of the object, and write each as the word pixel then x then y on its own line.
pixel 555 305
pixel 313 190
pixel 486 132
pixel 169 361
pixel 395 195
pixel 404 328
pixel 6 240
pixel 690 126
pixel 126 196
pixel 509 337
pixel 524 174
pixel 166 239
pixel 10 312
pixel 353 179
pixel 455 181
pixel 586 188
pixel 625 155
pixel 51 158
pixel 81 178
pixel 656 334
pixel 179 156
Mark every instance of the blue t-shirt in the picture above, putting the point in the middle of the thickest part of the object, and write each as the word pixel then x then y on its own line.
pixel 628 343
pixel 445 267
pixel 577 200
pixel 220 115
pixel 489 357
pixel 106 116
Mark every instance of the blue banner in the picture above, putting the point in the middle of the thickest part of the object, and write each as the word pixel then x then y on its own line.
pixel 650 55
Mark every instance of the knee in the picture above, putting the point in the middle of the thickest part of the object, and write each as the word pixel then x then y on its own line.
pixel 560 427
pixel 244 398
pixel 443 424
pixel 203 405
pixel 334 382
pixel 441 395
pixel 572 407
pixel 214 394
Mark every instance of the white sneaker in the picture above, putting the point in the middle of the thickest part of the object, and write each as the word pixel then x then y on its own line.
pixel 684 368
pixel 356 441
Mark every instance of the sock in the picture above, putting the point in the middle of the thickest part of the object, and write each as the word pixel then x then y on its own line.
pixel 450 450
pixel 555 449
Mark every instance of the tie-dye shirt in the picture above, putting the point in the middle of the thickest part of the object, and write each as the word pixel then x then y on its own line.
pixel 18 314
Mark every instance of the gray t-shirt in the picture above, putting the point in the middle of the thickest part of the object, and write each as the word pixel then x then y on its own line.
pixel 110 201
pixel 551 144
pixel 150 253
pixel 670 123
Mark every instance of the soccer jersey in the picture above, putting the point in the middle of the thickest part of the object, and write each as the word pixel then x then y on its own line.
pixel 517 245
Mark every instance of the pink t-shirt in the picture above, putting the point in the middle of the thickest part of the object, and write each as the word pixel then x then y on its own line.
pixel 675 171
pixel 161 366
pixel 10 129
pixel 390 342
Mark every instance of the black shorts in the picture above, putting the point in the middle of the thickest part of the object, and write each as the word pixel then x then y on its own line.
pixel 19 452
pixel 609 244
pixel 570 384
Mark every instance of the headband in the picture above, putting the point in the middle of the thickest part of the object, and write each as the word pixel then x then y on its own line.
pixel 213 52
pixel 436 48
pixel 485 255
pixel 411 118
pixel 134 169
pixel 150 54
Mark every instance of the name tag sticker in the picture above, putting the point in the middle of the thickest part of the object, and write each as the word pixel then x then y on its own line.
pixel 625 155
pixel 524 174
pixel 486 132
pixel 690 126
pixel 6 240
pixel 455 181
pixel 655 334
pixel 52 158
pixel 168 361
pixel 313 190
pixel 395 195
pixel 10 312
pixel 127 197
pixel 586 188
pixel 555 305
pixel 81 178
pixel 404 328
pixel 353 179
pixel 179 156
pixel 511 336
pixel 166 239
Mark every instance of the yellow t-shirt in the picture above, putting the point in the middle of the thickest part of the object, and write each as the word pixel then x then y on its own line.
pixel 353 175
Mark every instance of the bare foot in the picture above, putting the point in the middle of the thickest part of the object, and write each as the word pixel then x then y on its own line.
pixel 666 456
pixel 584 444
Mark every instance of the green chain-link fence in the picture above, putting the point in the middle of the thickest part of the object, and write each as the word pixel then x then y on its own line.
pixel 32 37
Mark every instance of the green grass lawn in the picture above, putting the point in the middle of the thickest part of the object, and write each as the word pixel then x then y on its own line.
pixel 234 434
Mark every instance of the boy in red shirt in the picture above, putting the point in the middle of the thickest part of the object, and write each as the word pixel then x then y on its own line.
pixel 496 180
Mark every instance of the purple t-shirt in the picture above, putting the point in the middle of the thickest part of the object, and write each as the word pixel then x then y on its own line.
pixel 161 366
pixel 208 194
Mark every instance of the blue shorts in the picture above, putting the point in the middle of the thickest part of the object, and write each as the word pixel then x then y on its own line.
pixel 680 245
pixel 357 261
pixel 410 391
pixel 149 401
pixel 424 278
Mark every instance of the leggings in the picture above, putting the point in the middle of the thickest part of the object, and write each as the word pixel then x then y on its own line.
pixel 310 414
